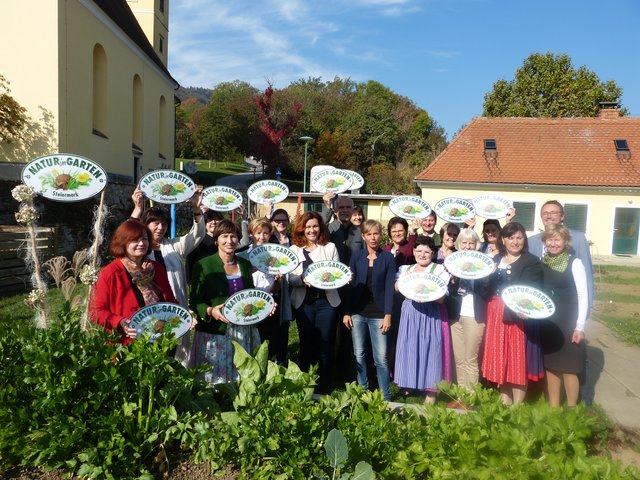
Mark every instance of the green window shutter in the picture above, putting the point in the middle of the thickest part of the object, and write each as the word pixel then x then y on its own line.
pixel 525 214
pixel 364 206
pixel 313 206
pixel 575 216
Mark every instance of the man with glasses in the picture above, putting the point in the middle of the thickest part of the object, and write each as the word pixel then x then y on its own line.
pixel 343 234
pixel 552 213
pixel 348 239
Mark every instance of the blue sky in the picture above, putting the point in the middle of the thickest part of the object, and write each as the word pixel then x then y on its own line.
pixel 445 55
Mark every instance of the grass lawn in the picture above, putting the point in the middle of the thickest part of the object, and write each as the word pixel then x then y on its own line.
pixel 210 171
pixel 617 302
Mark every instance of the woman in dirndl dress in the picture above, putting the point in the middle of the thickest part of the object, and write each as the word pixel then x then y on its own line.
pixel 563 345
pixel 213 280
pixel 419 358
pixel 512 355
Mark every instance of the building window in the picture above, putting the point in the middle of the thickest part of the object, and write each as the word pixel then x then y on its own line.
pixel 137 107
pixel 313 205
pixel 575 216
pixel 490 145
pixel 162 128
pixel 621 145
pixel 161 6
pixel 526 215
pixel 161 43
pixel 99 100
pixel 623 152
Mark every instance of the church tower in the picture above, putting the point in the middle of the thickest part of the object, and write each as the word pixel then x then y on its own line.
pixel 153 17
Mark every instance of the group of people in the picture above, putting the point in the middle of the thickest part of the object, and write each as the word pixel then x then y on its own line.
pixel 468 335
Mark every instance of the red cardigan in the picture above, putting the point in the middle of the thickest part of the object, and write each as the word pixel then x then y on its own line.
pixel 113 297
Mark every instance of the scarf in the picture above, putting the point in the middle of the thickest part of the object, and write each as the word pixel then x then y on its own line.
pixel 142 278
pixel 558 263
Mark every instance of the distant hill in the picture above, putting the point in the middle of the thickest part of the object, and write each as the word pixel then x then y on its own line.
pixel 202 95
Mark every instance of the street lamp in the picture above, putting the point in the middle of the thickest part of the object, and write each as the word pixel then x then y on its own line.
pixel 306 141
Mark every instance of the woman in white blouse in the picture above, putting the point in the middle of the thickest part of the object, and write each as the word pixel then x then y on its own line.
pixel 172 252
pixel 315 310
pixel 563 334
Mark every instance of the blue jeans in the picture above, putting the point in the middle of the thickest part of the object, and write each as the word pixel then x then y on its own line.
pixel 316 320
pixel 379 347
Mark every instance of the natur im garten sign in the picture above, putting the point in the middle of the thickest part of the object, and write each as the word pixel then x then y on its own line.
pixel 64 177
pixel 167 186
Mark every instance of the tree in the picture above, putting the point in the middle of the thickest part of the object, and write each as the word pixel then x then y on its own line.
pixel 13 116
pixel 548 85
pixel 275 125
pixel 227 128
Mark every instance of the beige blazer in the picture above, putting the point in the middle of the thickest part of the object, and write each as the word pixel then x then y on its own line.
pixel 299 289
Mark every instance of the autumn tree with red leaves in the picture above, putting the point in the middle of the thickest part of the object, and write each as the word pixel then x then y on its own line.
pixel 273 130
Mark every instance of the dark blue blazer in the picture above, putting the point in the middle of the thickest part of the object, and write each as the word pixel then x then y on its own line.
pixel 383 279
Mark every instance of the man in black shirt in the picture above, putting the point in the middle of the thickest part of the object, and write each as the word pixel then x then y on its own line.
pixel 346 236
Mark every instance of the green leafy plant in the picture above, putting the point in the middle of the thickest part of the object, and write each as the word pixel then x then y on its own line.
pixel 85 404
pixel 337 451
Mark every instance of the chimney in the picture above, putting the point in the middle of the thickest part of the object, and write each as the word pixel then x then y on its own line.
pixel 609 110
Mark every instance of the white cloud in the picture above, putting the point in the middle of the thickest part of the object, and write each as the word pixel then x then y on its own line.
pixel 212 41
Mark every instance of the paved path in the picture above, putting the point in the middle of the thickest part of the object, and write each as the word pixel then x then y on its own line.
pixel 239 180
pixel 613 381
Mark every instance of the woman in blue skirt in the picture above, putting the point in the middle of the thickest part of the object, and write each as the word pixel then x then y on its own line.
pixel 419 348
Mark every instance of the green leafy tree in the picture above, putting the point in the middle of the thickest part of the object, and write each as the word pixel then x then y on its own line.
pixel 548 85
pixel 188 114
pixel 228 126
pixel 13 117
pixel 354 126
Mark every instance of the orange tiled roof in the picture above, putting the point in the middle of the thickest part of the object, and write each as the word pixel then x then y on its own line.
pixel 542 151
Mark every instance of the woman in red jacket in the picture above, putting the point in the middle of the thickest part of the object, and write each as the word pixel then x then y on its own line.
pixel 130 282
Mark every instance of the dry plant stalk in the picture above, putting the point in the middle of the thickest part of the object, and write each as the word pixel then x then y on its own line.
pixel 79 259
pixel 42 307
pixel 27 215
pixel 68 284
pixel 92 255
pixel 57 267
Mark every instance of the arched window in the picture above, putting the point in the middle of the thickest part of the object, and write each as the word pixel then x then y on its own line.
pixel 99 113
pixel 162 128
pixel 136 114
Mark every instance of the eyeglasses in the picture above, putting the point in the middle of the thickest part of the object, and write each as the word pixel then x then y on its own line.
pixel 280 220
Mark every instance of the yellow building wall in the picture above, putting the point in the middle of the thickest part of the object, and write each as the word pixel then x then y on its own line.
pixel 601 208
pixel 29 61
pixel 85 30
pixel 48 58
pixel 377 209
pixel 153 22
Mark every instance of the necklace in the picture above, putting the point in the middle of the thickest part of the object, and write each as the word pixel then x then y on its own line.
pixel 232 262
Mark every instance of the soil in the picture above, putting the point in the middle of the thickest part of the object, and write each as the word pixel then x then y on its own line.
pixel 624 446
pixel 184 471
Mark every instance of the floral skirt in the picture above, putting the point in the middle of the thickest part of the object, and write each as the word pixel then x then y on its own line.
pixel 217 352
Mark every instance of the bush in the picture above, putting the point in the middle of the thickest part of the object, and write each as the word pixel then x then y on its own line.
pixel 81 403
pixel 85 404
